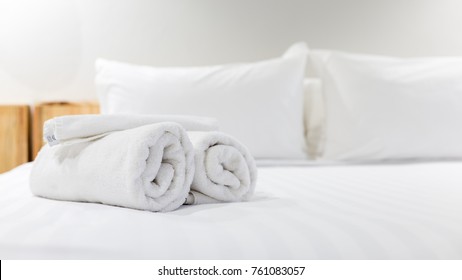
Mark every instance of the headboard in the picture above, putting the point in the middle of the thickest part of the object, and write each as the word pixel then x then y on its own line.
pixel 14 136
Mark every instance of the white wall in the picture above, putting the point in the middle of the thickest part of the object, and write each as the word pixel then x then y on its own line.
pixel 47 47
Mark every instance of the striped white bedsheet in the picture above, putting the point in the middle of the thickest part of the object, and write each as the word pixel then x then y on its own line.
pixel 400 211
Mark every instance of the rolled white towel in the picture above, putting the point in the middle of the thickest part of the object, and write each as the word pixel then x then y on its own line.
pixel 79 128
pixel 225 170
pixel 149 168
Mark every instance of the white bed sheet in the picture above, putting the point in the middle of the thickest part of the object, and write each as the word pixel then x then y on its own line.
pixel 400 211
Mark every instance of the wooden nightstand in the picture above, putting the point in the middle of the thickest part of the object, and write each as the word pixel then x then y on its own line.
pixel 45 111
pixel 14 136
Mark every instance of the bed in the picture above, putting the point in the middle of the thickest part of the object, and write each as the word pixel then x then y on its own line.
pixel 408 210
pixel 368 111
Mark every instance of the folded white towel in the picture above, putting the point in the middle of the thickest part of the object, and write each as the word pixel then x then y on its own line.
pixel 78 128
pixel 149 167
pixel 225 170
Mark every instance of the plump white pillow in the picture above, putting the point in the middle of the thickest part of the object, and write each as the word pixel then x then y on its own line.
pixel 261 103
pixel 389 108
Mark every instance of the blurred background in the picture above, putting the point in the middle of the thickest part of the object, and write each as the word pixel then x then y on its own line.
pixel 48 47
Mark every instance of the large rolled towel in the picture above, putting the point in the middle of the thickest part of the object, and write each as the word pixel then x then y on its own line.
pixel 225 170
pixel 79 128
pixel 150 167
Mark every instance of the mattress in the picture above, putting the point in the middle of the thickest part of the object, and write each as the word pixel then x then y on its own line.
pixel 381 211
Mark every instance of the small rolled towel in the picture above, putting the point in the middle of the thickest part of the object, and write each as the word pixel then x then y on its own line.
pixel 225 170
pixel 78 128
pixel 150 167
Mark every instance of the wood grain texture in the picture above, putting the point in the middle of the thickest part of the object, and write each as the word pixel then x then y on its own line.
pixel 14 136
pixel 45 111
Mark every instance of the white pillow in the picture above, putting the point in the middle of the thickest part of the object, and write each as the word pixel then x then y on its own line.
pixel 389 108
pixel 260 104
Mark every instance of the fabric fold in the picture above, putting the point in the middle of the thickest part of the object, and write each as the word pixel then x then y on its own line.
pixel 149 167
pixel 79 128
pixel 225 170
